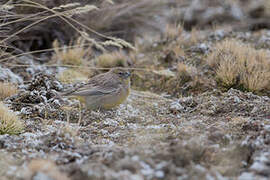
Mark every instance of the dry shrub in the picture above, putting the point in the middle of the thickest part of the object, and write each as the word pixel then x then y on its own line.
pixel 73 55
pixel 7 89
pixel 240 66
pixel 113 59
pixel 9 121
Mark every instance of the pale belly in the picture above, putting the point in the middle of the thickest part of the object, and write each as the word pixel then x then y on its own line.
pixel 106 101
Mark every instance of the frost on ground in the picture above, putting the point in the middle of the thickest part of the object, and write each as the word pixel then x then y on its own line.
pixel 215 135
pixel 185 118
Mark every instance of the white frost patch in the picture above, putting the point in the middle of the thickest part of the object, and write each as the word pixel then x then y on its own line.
pixel 7 74
pixel 110 122
pixel 115 135
pixel 133 126
pixel 258 166
pixel 160 126
pixel 26 110
pixel 103 131
pixel 147 170
pixel 135 158
pixel 246 176
pixel 176 106
pixel 159 174
pixel 154 127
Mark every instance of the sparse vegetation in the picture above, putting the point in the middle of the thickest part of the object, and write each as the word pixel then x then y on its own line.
pixel 188 114
pixel 9 121
pixel 73 55
pixel 180 37
pixel 240 66
pixel 113 59
pixel 7 89
pixel 72 76
pixel 184 73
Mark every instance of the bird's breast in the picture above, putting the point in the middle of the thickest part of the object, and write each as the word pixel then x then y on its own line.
pixel 117 98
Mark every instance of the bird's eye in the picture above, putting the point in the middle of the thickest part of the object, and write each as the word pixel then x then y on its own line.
pixel 120 73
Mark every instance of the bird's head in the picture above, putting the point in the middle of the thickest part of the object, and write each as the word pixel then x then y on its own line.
pixel 121 73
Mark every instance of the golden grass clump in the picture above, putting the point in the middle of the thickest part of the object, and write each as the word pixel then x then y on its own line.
pixel 113 59
pixel 173 31
pixel 71 76
pixel 73 55
pixel 181 38
pixel 7 89
pixel 184 72
pixel 9 121
pixel 240 66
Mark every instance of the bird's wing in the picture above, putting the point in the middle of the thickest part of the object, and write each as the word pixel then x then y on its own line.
pixel 98 85
pixel 93 91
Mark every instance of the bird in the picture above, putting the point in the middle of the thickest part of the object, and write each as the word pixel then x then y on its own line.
pixel 104 91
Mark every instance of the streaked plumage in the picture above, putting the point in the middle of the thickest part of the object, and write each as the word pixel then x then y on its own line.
pixel 104 91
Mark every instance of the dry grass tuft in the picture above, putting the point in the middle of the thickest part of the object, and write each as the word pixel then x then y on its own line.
pixel 7 89
pixel 182 39
pixel 71 76
pixel 241 66
pixel 9 121
pixel 113 59
pixel 173 31
pixel 71 56
pixel 184 73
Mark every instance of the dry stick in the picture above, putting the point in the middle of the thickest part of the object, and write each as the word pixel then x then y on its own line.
pixel 36 22
pixel 18 50
pixel 31 26
pixel 59 15
pixel 44 50
pixel 89 29
pixel 23 29
pixel 80 113
pixel 73 66
pixel 22 19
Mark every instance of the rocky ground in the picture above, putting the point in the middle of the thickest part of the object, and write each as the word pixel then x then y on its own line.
pixel 213 135
pixel 180 121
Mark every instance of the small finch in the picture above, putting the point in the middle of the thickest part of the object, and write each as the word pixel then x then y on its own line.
pixel 104 91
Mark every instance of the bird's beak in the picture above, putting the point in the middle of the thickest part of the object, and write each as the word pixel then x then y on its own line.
pixel 127 74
